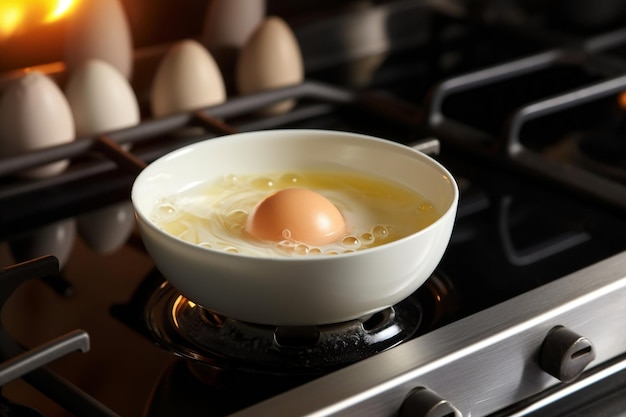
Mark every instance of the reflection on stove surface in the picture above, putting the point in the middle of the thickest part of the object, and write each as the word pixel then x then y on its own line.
pixel 180 392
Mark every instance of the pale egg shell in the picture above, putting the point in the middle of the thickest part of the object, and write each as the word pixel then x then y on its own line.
pixel 296 214
pixel 101 99
pixel 107 229
pixel 227 27
pixel 229 23
pixel 55 239
pixel 99 30
pixel 270 59
pixel 34 114
pixel 187 78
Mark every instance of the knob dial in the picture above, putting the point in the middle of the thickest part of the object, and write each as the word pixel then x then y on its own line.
pixel 422 402
pixel 565 354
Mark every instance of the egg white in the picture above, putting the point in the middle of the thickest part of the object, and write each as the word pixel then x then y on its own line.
pixel 213 215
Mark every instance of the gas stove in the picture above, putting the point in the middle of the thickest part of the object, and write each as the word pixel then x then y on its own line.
pixel 523 103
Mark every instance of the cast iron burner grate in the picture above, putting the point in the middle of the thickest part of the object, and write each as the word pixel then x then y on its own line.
pixel 30 365
pixel 212 340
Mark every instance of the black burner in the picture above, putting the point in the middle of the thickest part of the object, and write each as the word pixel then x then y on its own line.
pixel 212 340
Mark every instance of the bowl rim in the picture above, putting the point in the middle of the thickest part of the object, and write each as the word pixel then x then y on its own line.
pixel 449 210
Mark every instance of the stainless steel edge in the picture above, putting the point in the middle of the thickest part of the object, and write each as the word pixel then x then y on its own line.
pixel 430 146
pixel 35 358
pixel 564 392
pixel 480 364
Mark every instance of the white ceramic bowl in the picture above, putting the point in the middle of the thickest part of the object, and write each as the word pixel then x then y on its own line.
pixel 296 290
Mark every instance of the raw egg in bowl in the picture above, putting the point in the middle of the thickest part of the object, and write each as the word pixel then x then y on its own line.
pixel 296 227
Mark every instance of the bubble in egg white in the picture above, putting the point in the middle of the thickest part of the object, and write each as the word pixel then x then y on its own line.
pixel 166 211
pixel 263 183
pixel 351 242
pixel 288 180
pixel 367 238
pixel 379 232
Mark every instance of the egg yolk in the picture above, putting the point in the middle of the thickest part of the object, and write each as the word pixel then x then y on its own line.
pixel 296 214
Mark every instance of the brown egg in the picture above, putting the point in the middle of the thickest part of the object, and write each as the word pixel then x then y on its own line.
pixel 187 78
pixel 296 214
pixel 270 59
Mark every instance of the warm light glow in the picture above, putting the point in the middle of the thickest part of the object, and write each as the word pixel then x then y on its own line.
pixel 621 100
pixel 20 15
pixel 62 7
pixel 11 15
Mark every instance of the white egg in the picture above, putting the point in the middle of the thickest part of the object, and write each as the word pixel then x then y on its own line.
pixel 227 26
pixel 99 30
pixel 107 229
pixel 270 59
pixel 101 99
pixel 187 78
pixel 35 114
pixel 55 239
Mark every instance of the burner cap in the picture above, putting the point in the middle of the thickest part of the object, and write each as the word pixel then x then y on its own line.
pixel 210 339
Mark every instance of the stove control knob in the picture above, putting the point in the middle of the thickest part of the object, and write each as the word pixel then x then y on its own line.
pixel 565 354
pixel 421 402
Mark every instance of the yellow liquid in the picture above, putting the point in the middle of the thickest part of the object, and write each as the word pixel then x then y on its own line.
pixel 214 214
